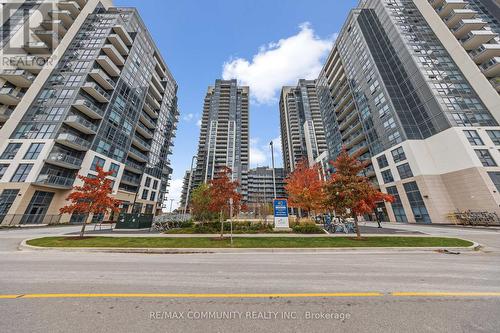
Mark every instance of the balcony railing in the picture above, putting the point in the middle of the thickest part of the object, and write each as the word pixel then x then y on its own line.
pixel 89 108
pixel 65 159
pixel 57 181
pixel 74 141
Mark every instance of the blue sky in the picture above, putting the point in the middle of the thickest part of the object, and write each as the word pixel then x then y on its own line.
pixel 263 43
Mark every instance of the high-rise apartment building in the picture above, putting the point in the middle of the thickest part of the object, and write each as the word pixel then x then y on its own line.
pixel 185 189
pixel 83 85
pixel 400 90
pixel 302 132
pixel 224 140
pixel 261 186
pixel 475 26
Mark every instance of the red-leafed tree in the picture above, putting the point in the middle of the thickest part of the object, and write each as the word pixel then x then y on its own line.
pixel 93 197
pixel 349 193
pixel 305 187
pixel 222 190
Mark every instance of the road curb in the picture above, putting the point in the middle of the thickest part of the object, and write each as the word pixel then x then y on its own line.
pixel 473 248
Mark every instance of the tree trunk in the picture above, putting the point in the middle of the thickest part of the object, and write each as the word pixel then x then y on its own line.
pixel 82 232
pixel 358 233
pixel 221 225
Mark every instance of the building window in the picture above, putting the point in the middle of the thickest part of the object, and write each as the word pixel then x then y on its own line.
pixel 382 162
pixel 22 172
pixel 397 205
pixel 485 157
pixel 97 162
pixel 404 171
pixel 494 136
pixel 10 151
pixel 6 200
pixel 417 203
pixel 114 168
pixel 147 183
pixel 3 168
pixel 148 209
pixel 153 196
pixel 33 151
pixel 387 176
pixel 145 194
pixel 495 178
pixel 473 138
pixel 398 155
pixel 155 184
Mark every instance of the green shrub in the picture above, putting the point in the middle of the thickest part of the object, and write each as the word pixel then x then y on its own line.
pixel 307 228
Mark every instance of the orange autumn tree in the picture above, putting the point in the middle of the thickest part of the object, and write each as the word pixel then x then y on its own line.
pixel 222 190
pixel 305 187
pixel 93 197
pixel 348 193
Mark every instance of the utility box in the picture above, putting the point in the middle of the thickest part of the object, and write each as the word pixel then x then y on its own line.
pixel 134 221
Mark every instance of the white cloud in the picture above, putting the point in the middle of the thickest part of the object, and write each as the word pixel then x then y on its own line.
pixel 188 117
pixel 198 123
pixel 260 152
pixel 280 63
pixel 174 192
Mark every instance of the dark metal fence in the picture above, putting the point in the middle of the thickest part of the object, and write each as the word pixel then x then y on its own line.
pixel 18 219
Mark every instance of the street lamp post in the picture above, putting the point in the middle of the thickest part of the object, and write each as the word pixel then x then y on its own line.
pixel 171 202
pixel 189 185
pixel 274 175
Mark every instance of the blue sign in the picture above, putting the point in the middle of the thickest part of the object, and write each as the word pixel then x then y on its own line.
pixel 280 208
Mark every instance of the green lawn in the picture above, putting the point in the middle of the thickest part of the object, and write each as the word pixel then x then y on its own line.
pixel 248 242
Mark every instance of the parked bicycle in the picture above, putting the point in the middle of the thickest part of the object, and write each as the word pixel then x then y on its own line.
pixel 341 225
pixel 471 218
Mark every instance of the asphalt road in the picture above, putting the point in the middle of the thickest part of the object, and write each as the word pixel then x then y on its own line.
pixel 379 272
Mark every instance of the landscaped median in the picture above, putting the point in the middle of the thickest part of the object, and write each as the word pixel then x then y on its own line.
pixel 248 242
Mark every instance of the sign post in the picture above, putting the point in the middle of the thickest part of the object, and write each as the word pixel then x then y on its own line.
pixel 281 214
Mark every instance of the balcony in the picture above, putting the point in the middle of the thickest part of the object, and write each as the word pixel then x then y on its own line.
pixel 450 5
pixel 477 37
pixel 62 15
pixel 150 110
pixel 140 143
pixel 54 181
pixel 50 38
pixel 124 35
pixel 70 6
pixel 495 82
pixel 108 65
pixel 466 26
pixel 137 155
pixel 459 14
pixel 144 131
pixel 81 3
pixel 64 160
pixel 157 82
pixel 89 108
pixel 153 101
pixel 94 90
pixel 130 180
pixel 54 25
pixel 81 124
pixel 36 48
pixel 134 167
pixel 113 54
pixel 32 64
pixel 148 121
pixel 18 77
pixel 436 3
pixel 485 52
pixel 10 96
pixel 73 141
pixel 118 44
pixel 491 68
pixel 102 78
pixel 155 92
